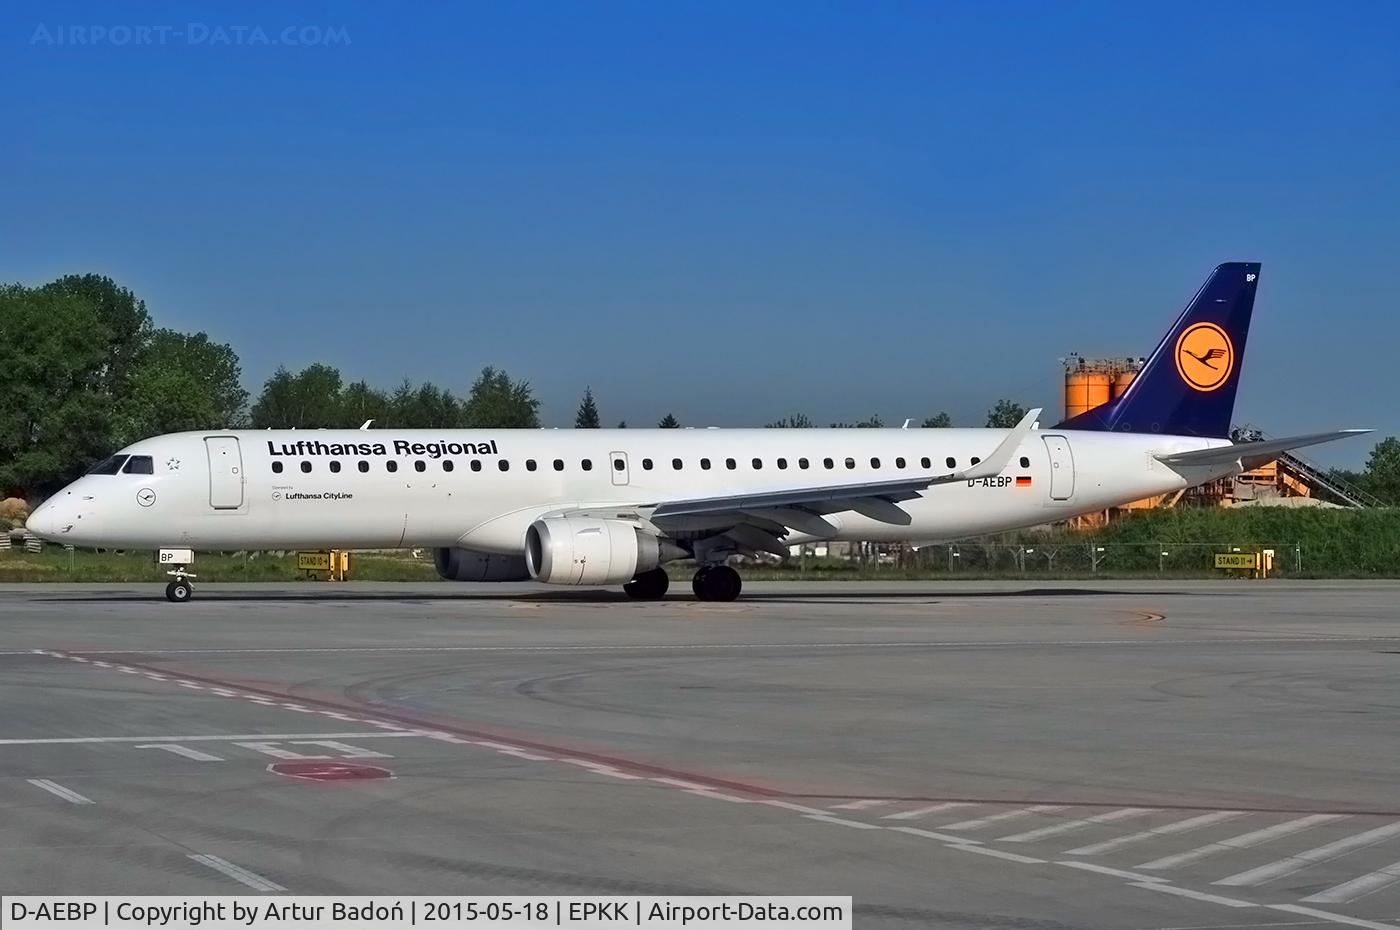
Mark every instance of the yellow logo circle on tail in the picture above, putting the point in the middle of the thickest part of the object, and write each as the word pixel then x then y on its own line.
pixel 1205 356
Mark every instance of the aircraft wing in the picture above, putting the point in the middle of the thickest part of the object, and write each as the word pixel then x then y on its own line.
pixel 1252 454
pixel 762 518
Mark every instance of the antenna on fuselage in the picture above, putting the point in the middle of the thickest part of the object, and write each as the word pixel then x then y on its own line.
pixel 365 425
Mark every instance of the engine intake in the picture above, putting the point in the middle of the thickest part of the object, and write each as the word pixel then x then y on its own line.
pixel 472 565
pixel 589 550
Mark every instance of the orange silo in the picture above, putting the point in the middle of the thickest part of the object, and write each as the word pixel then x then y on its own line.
pixel 1121 382
pixel 1085 389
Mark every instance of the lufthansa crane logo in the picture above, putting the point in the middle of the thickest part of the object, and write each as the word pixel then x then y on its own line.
pixel 1205 356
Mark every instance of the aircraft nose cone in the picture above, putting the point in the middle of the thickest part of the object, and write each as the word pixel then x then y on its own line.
pixel 41 522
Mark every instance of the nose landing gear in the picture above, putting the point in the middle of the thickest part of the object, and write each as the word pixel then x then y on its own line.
pixel 179 591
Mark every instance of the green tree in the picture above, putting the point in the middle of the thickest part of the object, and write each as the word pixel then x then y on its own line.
pixel 1383 470
pixel 360 402
pixel 795 421
pixel 424 407
pixel 309 399
pixel 126 326
pixel 939 420
pixel 1006 414
pixel 873 422
pixel 180 381
pixel 55 407
pixel 669 422
pixel 497 402
pixel 587 416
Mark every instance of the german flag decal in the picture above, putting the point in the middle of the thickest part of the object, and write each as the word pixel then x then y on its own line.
pixel 1023 481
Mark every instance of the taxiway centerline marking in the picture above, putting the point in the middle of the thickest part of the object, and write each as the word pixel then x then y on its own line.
pixel 227 737
pixel 1334 918
pixel 1243 841
pixel 1290 864
pixel 859 805
pixel 54 788
pixel 238 873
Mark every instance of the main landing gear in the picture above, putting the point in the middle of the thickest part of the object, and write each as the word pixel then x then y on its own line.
pixel 648 586
pixel 717 583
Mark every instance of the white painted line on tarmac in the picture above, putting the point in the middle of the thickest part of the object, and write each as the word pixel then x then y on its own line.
pixel 205 738
pixel 934 835
pixel 1195 895
pixel 1116 873
pixel 185 751
pixel 1358 887
pixel 1296 863
pixel 842 822
pixel 1334 918
pixel 1056 829
pixel 918 812
pixel 995 853
pixel 1180 826
pixel 1243 841
pixel 54 788
pixel 983 822
pixel 238 873
pixel 859 805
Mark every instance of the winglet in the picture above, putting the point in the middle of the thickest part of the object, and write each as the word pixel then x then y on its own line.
pixel 995 463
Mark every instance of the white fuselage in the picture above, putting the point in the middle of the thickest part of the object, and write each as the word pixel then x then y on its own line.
pixel 481 489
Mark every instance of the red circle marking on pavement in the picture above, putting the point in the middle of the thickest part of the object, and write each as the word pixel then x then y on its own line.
pixel 316 770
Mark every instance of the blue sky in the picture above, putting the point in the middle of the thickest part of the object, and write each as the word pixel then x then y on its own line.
pixel 732 211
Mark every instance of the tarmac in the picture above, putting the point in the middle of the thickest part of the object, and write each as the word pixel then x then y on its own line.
pixel 973 755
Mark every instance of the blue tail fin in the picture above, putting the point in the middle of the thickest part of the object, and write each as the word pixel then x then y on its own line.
pixel 1187 385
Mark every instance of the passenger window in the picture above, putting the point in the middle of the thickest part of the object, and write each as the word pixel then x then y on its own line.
pixel 364 466
pixel 646 465
pixel 108 466
pixel 420 465
pixel 558 464
pixel 757 464
pixel 587 464
pixel 476 464
pixel 828 463
pixel 874 463
pixel 676 464
pixel 619 465
pixel 730 464
pixel 782 464
pixel 529 464
pixel 335 467
pixel 139 465
pixel 705 464
pixel 306 467
pixel 447 465
pixel 391 465
pixel 276 468
pixel 899 462
pixel 802 463
pixel 925 462
pixel 850 462
pixel 951 462
pixel 1025 462
pixel 503 464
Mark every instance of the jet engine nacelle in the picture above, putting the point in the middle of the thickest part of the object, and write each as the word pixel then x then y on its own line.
pixel 588 550
pixel 471 565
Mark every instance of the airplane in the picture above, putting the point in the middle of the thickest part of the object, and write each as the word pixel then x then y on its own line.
pixel 608 507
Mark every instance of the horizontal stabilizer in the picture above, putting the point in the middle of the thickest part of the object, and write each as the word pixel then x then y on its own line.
pixel 1251 454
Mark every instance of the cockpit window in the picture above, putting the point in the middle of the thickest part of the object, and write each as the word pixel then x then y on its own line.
pixel 108 466
pixel 139 465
